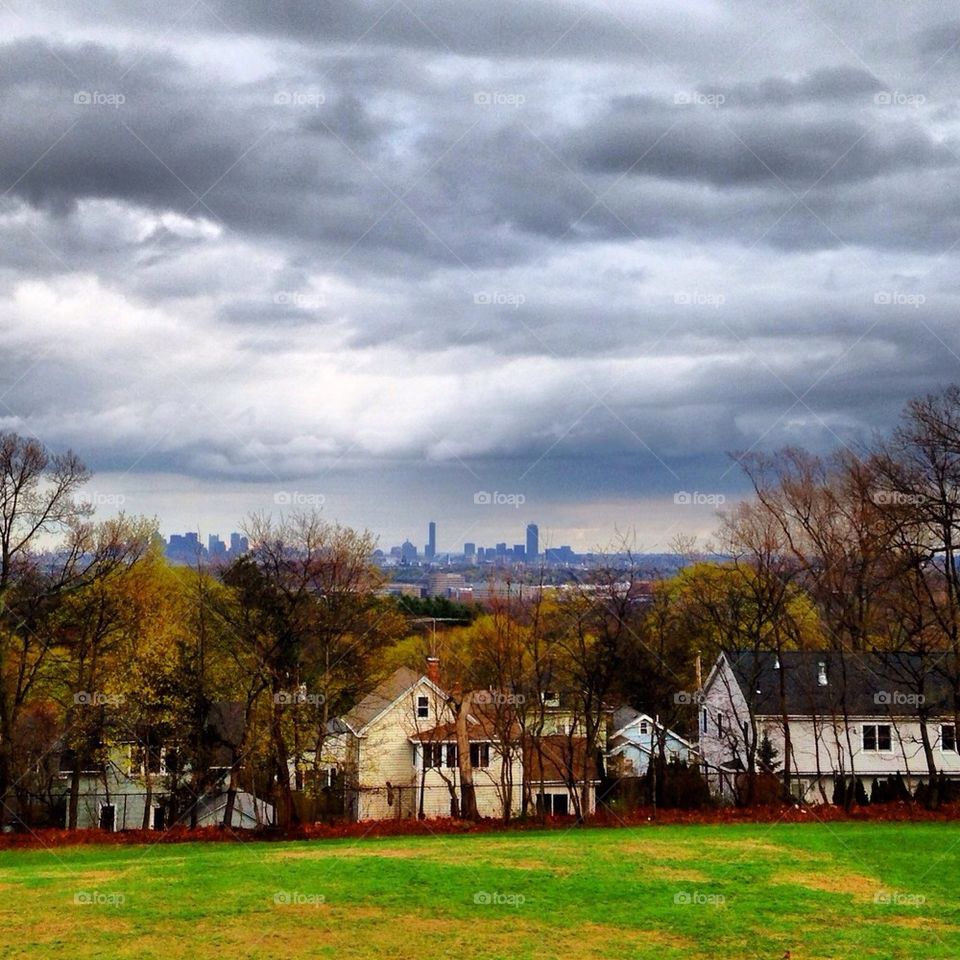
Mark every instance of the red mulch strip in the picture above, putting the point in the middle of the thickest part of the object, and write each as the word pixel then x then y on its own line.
pixel 642 816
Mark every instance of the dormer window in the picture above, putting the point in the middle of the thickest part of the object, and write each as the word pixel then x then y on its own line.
pixel 822 673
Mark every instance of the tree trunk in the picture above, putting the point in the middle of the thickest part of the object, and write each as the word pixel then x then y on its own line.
pixel 468 796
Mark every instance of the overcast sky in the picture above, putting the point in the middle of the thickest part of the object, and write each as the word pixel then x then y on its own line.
pixel 393 254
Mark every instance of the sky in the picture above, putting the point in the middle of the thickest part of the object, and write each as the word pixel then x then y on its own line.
pixel 486 264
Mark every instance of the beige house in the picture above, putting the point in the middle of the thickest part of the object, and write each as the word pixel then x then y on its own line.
pixel 400 755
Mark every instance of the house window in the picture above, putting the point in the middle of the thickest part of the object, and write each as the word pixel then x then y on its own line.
pixel 432 755
pixel 479 754
pixel 948 737
pixel 719 724
pixel 108 817
pixel 423 708
pixel 704 720
pixel 554 804
pixel 876 737
pixel 451 755
pixel 644 728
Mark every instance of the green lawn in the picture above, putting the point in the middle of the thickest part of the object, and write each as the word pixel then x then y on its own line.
pixel 838 890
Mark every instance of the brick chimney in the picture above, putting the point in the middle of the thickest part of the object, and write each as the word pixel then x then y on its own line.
pixel 433 670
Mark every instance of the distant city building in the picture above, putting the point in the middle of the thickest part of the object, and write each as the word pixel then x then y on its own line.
pixel 408 552
pixel 469 550
pixel 430 551
pixel 533 542
pixel 444 584
pixel 500 550
pixel 518 552
pixel 187 548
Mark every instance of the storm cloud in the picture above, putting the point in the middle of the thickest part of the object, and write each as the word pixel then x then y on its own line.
pixel 576 249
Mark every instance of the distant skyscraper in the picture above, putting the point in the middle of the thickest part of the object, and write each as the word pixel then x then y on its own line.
pixel 216 546
pixel 469 549
pixel 430 550
pixel 533 542
pixel 408 552
pixel 518 552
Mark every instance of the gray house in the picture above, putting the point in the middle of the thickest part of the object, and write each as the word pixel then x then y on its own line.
pixel 818 717
pixel 138 773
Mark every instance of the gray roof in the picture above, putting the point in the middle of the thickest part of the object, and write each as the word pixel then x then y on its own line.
pixel 375 702
pixel 858 684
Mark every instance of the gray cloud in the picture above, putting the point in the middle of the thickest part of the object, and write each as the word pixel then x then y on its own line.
pixel 309 239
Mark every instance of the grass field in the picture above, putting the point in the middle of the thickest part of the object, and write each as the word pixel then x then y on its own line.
pixel 841 890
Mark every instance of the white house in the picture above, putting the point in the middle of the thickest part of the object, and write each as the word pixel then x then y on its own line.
pixel 827 716
pixel 637 737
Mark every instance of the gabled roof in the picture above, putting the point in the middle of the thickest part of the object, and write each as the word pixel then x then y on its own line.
pixel 858 684
pixel 384 696
pixel 635 720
